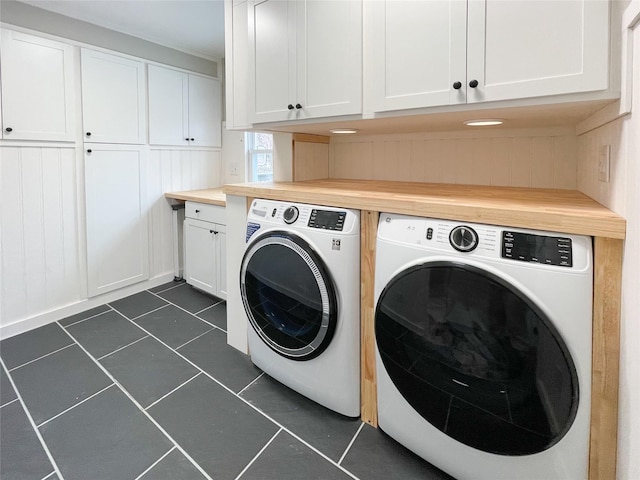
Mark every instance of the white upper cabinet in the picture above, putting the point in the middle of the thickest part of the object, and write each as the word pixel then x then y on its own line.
pixel 113 99
pixel 184 109
pixel 305 59
pixel 447 52
pixel 38 93
pixel 531 48
pixel 418 53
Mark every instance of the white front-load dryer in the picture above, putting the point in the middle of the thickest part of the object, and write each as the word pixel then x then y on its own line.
pixel 300 285
pixel 483 347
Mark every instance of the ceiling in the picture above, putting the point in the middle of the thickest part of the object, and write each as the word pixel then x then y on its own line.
pixel 191 26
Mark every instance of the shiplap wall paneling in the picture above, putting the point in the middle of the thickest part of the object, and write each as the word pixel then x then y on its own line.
pixel 174 170
pixel 41 265
pixel 544 161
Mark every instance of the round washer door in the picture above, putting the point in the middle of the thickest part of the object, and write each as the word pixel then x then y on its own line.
pixel 288 295
pixel 476 358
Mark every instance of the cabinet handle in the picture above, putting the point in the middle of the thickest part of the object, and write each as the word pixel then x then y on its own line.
pixel 211 231
pixel 89 150
pixel 88 134
pixel 187 139
pixel 8 129
pixel 457 85
pixel 197 211
pixel 290 107
pixel 473 83
pixel 298 106
pixel 191 139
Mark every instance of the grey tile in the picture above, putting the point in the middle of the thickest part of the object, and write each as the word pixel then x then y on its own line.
pixel 84 315
pixel 7 393
pixel 289 459
pixel 148 370
pixel 374 455
pixel 166 286
pixel 172 325
pixel 33 344
pixel 217 429
pixel 105 333
pixel 216 315
pixel 223 362
pixel 189 298
pixel 58 381
pixel 135 305
pixel 322 428
pixel 104 438
pixel 21 453
pixel 174 466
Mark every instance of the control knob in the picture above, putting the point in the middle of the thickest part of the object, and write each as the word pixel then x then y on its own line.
pixel 463 238
pixel 290 215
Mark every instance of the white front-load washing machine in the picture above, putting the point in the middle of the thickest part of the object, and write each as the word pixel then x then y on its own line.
pixel 300 285
pixel 483 347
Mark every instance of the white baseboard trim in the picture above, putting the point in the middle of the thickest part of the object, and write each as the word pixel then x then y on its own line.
pixel 35 321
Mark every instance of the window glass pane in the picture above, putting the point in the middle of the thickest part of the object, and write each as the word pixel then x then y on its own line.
pixel 259 151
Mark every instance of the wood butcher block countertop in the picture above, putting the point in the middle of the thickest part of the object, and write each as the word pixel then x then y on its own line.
pixel 212 196
pixel 565 211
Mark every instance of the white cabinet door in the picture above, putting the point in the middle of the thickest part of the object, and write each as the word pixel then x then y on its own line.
pixel 306 59
pixel 200 261
pixel 38 92
pixel 117 231
pixel 113 99
pixel 530 48
pixel 168 106
pixel 272 60
pixel 205 112
pixel 329 58
pixel 205 256
pixel 419 53
pixel 184 109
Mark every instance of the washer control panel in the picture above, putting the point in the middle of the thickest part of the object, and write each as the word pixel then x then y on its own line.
pixel 527 247
pixel 327 219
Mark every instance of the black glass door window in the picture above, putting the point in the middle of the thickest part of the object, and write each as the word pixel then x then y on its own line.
pixel 288 295
pixel 476 358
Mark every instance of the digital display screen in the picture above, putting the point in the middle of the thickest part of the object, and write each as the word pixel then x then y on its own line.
pixel 537 248
pixel 327 219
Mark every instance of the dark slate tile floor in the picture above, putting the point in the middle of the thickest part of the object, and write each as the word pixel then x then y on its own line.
pixel 146 388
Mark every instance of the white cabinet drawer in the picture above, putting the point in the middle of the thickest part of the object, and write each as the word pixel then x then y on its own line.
pixel 206 212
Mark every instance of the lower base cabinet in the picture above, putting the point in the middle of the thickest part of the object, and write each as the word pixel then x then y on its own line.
pixel 205 240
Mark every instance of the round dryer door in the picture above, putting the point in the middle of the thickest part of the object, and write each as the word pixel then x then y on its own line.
pixel 288 295
pixel 476 358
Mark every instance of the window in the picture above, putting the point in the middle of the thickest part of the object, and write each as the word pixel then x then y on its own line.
pixel 259 156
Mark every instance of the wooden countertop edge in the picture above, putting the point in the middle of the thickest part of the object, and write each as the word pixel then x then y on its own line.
pixel 565 211
pixel 211 196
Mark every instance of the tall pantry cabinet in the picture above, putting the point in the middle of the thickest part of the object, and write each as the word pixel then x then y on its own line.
pixel 114 129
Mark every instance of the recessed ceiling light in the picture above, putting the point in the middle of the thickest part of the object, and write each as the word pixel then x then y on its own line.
pixel 343 131
pixel 483 122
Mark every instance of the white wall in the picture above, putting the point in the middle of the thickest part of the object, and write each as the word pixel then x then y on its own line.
pixel 622 196
pixel 33 18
